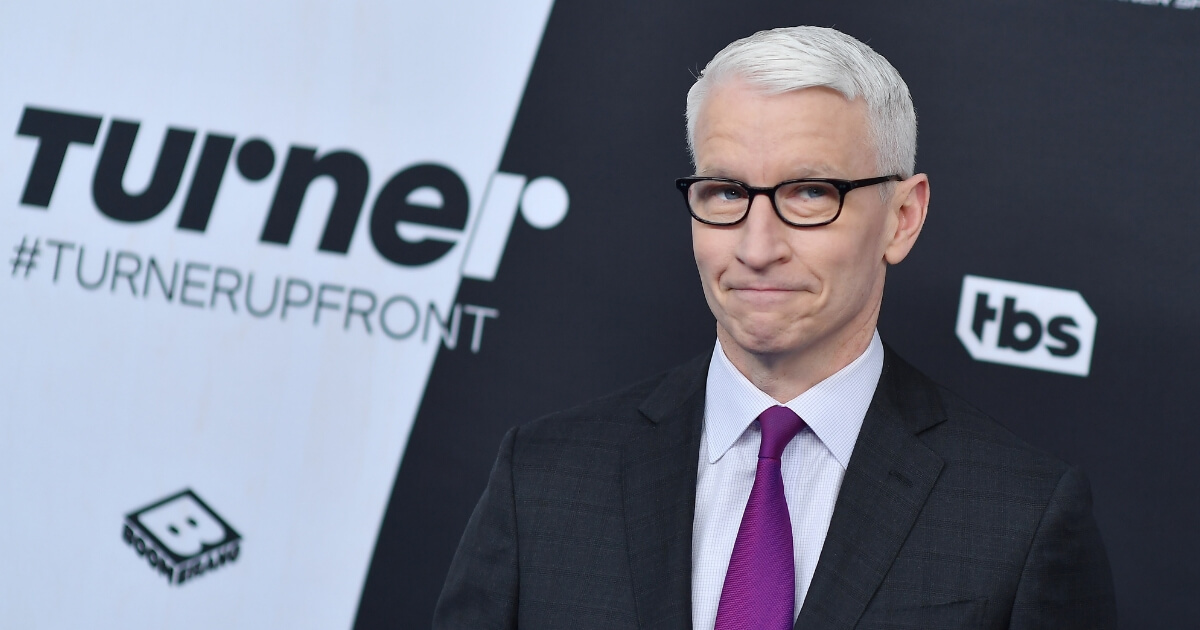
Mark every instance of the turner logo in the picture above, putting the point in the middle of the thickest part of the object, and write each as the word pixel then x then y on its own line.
pixel 1026 325
pixel 415 219
pixel 181 538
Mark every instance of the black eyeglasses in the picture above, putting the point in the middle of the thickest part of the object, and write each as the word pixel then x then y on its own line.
pixel 798 202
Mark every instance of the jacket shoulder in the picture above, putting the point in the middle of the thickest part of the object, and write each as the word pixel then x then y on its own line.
pixel 612 417
pixel 1022 517
pixel 957 430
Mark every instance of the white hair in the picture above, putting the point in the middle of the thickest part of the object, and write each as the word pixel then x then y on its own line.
pixel 786 59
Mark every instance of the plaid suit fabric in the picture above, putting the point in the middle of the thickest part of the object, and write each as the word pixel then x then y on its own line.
pixel 944 520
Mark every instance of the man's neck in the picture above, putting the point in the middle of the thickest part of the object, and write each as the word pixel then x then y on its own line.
pixel 784 376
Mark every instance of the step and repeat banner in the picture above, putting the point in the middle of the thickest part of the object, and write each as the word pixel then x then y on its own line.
pixel 277 276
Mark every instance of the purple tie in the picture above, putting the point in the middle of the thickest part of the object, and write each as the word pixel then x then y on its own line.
pixel 760 586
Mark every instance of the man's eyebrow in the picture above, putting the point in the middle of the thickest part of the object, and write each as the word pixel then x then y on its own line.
pixel 819 169
pixel 714 172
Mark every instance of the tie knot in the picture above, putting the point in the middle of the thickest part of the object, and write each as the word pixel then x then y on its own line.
pixel 779 425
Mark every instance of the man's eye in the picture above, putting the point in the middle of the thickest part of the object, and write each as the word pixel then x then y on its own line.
pixel 811 191
pixel 729 193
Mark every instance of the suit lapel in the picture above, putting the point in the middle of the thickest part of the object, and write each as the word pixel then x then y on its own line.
pixel 887 482
pixel 659 493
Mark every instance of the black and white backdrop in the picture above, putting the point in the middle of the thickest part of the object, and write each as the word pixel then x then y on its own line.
pixel 1062 141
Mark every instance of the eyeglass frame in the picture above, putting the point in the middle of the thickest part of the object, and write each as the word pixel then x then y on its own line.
pixel 843 186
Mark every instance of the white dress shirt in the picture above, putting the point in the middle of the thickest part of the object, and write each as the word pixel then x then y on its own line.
pixel 813 466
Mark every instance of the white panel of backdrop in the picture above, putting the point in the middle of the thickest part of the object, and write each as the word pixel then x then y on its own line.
pixel 234 233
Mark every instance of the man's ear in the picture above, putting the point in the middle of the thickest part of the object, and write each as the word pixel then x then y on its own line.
pixel 906 219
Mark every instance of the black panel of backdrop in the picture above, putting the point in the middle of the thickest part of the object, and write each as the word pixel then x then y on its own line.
pixel 1062 144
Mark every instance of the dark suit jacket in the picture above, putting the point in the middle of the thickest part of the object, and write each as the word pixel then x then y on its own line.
pixel 944 520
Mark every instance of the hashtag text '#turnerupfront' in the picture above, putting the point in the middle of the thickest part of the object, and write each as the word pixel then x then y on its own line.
pixel 218 287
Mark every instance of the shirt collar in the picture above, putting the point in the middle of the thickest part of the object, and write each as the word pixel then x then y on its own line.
pixel 834 408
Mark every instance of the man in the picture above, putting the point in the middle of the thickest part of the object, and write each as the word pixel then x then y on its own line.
pixel 803 473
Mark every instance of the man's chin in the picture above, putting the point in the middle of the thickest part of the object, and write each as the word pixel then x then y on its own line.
pixel 764 342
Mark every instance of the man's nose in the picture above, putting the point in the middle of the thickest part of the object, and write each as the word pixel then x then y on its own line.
pixel 764 236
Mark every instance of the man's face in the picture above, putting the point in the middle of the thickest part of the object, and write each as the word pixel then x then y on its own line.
pixel 779 291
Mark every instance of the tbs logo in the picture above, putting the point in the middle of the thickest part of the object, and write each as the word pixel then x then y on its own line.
pixel 1026 325
pixel 181 537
